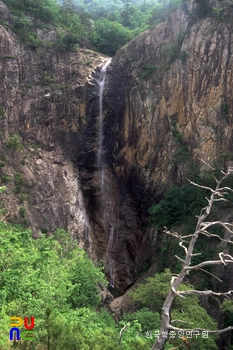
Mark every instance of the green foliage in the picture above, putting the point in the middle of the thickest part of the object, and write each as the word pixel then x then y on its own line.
pixel 2 189
pixel 5 178
pixel 70 42
pixel 227 155
pixel 161 10
pixel 49 274
pixel 23 27
pixel 190 314
pixel 108 36
pixel 22 212
pixel 80 329
pixel 52 279
pixel 181 204
pixel 133 338
pixel 153 292
pixel 149 320
pixel 182 154
pixel 148 71
pixel 46 79
pixel 178 204
pixel 225 111
pixel 77 20
pixel 2 163
pixel 14 142
pixel 43 10
pixel 178 136
pixel 3 23
pixel 2 111
pixel 227 307
pixel 203 9
pixel 172 52
pixel 29 14
pixel 18 182
pixel 10 56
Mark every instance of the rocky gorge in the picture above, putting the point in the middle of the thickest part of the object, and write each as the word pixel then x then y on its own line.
pixel 167 103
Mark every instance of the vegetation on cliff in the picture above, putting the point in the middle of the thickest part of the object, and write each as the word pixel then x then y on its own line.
pixel 108 26
pixel 179 210
pixel 52 279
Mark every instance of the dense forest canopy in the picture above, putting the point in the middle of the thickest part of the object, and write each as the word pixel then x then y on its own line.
pixel 107 25
pixel 52 279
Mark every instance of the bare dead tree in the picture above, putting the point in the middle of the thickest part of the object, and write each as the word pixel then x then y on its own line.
pixel 187 243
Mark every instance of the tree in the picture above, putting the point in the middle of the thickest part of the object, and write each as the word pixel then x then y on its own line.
pixel 68 5
pixel 108 36
pixel 151 295
pixel 187 243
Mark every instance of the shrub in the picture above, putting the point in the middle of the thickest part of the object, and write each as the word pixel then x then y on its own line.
pixel 5 178
pixel 14 142
pixel 184 311
pixel 22 212
pixel 2 112
pixel 19 182
pixel 148 71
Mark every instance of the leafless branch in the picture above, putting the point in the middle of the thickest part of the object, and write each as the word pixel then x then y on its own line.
pixel 205 292
pixel 121 333
pixel 205 187
pixel 177 257
pixel 226 225
pixel 210 166
pixel 196 254
pixel 208 234
pixel 211 274
pixel 182 246
pixel 181 321
pixel 224 259
pixel 180 238
pixel 177 293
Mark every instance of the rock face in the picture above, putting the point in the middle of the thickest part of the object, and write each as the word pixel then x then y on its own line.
pixel 170 103
pixel 171 93
pixel 43 98
pixel 49 109
pixel 167 103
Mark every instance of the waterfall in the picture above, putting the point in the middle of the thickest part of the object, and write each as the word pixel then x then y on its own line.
pixel 111 262
pixel 104 181
pixel 100 159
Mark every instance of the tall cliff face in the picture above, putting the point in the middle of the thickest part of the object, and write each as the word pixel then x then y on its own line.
pixel 43 96
pixel 49 110
pixel 171 92
pixel 170 104
pixel 167 103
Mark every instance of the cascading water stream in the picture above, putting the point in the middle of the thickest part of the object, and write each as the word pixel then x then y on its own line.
pixel 111 262
pixel 100 160
pixel 104 184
